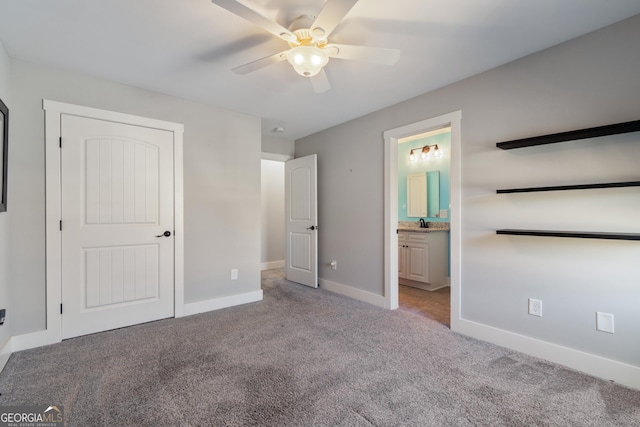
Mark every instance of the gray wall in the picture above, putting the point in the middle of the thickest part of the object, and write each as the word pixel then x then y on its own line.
pixel 221 185
pixel 589 81
pixel 5 331
pixel 277 145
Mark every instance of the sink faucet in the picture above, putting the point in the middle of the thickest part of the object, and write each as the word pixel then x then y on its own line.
pixel 422 223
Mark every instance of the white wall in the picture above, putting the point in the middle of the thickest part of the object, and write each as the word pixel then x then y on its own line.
pixel 222 152
pixel 5 330
pixel 272 214
pixel 586 82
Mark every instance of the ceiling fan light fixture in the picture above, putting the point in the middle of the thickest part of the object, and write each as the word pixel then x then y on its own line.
pixel 307 60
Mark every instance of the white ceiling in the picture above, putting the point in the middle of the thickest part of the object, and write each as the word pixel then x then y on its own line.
pixel 187 48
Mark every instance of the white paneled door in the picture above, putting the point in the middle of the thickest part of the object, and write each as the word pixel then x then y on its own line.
pixel 117 225
pixel 301 221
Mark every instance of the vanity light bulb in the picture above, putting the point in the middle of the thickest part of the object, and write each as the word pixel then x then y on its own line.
pixel 412 156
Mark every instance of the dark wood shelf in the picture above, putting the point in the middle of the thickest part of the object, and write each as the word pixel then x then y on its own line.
pixel 570 187
pixel 594 132
pixel 614 129
pixel 574 234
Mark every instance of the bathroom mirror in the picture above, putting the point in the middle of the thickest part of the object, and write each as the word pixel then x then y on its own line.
pixel 433 194
pixel 423 194
pixel 417 195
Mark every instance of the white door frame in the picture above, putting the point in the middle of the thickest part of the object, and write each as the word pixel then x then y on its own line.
pixel 391 139
pixel 53 208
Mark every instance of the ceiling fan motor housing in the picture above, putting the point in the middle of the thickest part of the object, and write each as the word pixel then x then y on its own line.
pixel 302 22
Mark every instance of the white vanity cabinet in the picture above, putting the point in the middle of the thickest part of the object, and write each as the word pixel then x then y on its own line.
pixel 423 259
pixel 413 256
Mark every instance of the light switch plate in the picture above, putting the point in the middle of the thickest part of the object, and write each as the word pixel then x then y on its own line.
pixel 604 322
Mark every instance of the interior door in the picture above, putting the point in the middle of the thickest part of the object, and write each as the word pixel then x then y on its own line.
pixel 301 221
pixel 117 225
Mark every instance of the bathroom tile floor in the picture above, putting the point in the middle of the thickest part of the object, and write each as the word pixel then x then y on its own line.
pixel 432 304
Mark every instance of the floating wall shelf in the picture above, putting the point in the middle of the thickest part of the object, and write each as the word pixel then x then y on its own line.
pixel 571 135
pixel 570 187
pixel 575 234
pixel 614 129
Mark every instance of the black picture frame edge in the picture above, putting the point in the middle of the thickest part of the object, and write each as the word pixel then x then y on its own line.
pixel 5 153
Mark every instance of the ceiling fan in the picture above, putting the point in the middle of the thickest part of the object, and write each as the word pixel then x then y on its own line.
pixel 309 49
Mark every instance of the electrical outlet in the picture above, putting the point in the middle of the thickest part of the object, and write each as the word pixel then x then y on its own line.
pixel 535 307
pixel 334 264
pixel 444 213
pixel 234 274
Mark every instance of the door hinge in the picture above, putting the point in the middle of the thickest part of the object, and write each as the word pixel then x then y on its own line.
pixel 60 225
pixel 60 142
pixel 60 308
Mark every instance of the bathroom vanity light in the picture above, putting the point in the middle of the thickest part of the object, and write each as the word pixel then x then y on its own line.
pixel 425 152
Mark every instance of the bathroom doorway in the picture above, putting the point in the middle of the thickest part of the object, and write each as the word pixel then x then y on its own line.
pixel 423 253
pixel 392 139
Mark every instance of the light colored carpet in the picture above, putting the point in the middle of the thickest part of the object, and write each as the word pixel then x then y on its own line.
pixel 306 357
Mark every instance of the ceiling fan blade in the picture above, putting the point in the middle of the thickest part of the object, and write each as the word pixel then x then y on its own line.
pixel 330 16
pixel 320 82
pixel 254 17
pixel 260 63
pixel 377 55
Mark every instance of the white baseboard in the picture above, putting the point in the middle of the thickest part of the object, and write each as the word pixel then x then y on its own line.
pixel 30 340
pixel 351 292
pixel 271 265
pixel 21 342
pixel 591 364
pixel 219 303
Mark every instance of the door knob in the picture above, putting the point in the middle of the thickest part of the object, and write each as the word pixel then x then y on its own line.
pixel 313 227
pixel 165 234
